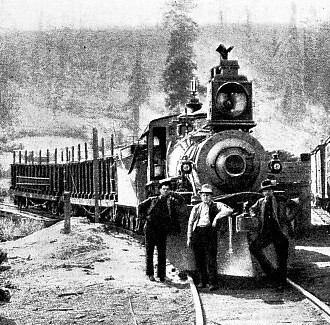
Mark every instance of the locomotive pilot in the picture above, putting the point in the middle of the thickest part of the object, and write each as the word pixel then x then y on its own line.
pixel 202 236
pixel 161 219
pixel 266 211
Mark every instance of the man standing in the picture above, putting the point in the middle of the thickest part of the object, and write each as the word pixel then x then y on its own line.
pixel 202 236
pixel 267 212
pixel 161 219
pixel 3 256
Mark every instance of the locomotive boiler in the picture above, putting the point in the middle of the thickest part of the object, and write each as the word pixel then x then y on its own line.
pixel 220 152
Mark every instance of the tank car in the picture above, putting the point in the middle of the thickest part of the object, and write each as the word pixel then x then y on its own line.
pixel 320 175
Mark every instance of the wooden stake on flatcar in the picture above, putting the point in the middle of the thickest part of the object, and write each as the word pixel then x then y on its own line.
pixel 102 147
pixel 112 168
pixel 96 180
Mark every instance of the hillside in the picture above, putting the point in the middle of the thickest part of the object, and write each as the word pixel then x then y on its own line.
pixel 60 84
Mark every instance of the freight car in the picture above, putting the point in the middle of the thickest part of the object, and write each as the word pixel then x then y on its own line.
pixel 40 181
pixel 320 175
pixel 200 145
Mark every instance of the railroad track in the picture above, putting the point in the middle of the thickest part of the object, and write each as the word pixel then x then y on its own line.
pixel 261 305
pixel 253 303
pixel 241 304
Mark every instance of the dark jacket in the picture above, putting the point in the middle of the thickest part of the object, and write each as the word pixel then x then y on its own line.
pixel 163 220
pixel 257 211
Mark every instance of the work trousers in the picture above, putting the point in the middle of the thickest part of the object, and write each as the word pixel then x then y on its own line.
pixel 153 238
pixel 281 244
pixel 204 245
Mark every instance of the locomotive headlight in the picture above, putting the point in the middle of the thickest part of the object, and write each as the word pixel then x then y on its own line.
pixel 275 165
pixel 186 167
pixel 231 99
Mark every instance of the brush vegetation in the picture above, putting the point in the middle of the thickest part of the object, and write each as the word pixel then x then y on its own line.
pixel 64 82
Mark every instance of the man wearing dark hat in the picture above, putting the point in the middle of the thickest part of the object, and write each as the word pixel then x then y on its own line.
pixel 161 219
pixel 202 236
pixel 270 232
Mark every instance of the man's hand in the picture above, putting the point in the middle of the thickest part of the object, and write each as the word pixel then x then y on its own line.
pixel 188 242
pixel 216 220
pixel 215 223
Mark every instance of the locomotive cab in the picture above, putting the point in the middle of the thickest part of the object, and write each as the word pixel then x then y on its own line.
pixel 158 150
pixel 158 136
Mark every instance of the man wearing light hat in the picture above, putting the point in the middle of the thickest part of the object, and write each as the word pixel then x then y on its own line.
pixel 202 236
pixel 270 232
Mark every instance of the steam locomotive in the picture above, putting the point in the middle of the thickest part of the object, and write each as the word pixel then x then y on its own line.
pixel 200 145
pixel 205 146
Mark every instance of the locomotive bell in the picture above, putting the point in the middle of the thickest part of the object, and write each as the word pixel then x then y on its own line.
pixel 194 104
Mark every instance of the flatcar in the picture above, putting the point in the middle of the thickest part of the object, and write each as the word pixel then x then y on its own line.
pixel 211 144
pixel 40 181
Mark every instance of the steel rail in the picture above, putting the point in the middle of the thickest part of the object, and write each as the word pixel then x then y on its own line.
pixel 132 311
pixel 199 318
pixel 315 301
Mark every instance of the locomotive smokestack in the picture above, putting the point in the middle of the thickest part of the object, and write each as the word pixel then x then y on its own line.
pixel 223 51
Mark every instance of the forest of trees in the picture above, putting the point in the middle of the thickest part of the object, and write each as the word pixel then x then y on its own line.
pixel 114 72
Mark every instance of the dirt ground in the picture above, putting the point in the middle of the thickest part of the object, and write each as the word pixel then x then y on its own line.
pixel 96 276
pixel 90 276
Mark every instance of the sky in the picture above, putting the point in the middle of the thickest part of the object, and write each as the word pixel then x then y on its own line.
pixel 36 14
